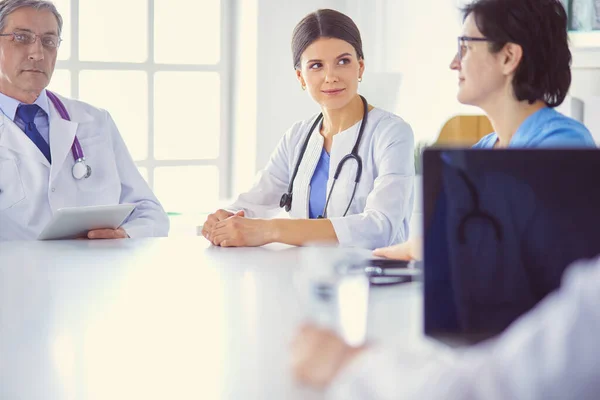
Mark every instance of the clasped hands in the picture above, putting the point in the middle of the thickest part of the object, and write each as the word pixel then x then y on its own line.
pixel 226 229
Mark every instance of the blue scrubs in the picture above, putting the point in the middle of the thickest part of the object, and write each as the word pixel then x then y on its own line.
pixel 545 128
pixel 318 186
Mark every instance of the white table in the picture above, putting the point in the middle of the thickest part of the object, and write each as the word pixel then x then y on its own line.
pixel 170 318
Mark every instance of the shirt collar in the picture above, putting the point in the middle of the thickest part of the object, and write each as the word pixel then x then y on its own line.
pixel 526 130
pixel 9 106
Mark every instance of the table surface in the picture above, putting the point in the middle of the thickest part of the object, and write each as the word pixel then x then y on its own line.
pixel 163 318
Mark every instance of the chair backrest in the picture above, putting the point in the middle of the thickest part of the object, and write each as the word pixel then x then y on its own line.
pixel 464 130
pixel 458 131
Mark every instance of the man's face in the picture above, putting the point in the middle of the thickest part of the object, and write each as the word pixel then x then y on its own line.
pixel 26 69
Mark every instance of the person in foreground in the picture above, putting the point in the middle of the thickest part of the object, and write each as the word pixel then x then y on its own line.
pixel 513 62
pixel 550 353
pixel 345 176
pixel 57 152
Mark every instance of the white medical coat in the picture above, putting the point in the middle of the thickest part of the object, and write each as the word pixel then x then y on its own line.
pixel 31 190
pixel 381 209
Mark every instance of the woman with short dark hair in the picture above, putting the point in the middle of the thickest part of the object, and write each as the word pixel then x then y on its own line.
pixel 513 62
pixel 344 176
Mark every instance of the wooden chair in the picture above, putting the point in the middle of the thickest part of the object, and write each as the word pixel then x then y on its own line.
pixel 464 130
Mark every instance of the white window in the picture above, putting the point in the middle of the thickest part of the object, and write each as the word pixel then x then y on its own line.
pixel 160 67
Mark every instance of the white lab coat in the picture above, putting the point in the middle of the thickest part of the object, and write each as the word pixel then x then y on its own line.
pixel 553 352
pixel 381 209
pixel 31 189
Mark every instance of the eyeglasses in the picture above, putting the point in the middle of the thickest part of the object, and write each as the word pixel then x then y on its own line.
pixel 49 41
pixel 462 47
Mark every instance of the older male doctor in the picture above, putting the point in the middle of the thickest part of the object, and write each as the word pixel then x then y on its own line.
pixel 43 135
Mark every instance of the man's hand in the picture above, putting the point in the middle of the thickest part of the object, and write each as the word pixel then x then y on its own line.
pixel 107 234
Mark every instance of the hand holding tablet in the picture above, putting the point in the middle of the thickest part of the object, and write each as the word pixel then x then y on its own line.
pixel 76 222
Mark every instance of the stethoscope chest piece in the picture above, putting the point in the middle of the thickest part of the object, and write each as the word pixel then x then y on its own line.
pixel 81 170
pixel 286 202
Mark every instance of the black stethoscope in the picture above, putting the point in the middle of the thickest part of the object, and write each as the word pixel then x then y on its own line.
pixel 385 272
pixel 475 213
pixel 286 198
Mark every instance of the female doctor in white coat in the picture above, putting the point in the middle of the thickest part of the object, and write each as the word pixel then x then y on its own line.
pixel 368 150
pixel 56 152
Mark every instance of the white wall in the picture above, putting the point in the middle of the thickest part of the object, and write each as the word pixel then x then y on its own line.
pixel 586 73
pixel 586 86
pixel 423 43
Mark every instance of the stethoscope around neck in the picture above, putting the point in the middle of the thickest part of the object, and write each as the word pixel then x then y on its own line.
pixel 80 169
pixel 286 198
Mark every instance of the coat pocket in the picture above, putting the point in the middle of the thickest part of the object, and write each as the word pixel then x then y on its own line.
pixel 11 186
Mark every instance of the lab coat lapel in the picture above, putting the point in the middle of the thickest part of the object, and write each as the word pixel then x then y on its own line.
pixel 342 145
pixel 306 170
pixel 62 134
pixel 13 138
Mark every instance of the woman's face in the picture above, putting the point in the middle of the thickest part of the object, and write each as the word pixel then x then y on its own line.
pixel 330 69
pixel 480 74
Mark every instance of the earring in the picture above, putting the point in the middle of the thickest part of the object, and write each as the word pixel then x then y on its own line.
pixel 360 79
pixel 303 87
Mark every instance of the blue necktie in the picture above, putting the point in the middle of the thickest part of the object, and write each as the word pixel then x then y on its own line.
pixel 27 113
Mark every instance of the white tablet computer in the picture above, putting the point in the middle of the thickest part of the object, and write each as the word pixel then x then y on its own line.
pixel 74 222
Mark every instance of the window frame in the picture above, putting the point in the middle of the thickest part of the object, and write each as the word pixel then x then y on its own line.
pixel 223 67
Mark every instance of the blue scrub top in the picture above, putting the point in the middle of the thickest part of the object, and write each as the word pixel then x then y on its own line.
pixel 318 186
pixel 545 128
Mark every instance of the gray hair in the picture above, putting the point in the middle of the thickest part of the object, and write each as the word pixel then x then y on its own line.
pixel 7 7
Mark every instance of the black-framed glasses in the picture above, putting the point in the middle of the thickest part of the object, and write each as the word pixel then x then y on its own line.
pixel 462 46
pixel 48 40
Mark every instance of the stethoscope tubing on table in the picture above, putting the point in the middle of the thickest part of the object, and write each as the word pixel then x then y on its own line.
pixel 385 272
